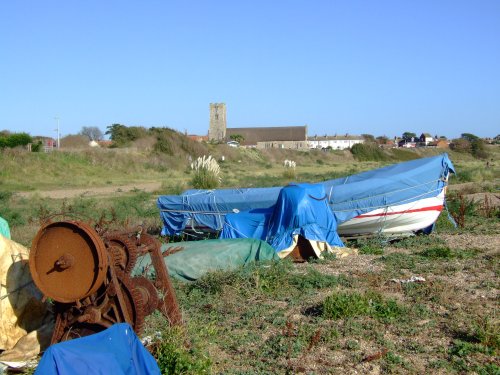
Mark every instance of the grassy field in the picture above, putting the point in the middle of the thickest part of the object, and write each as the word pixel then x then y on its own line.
pixel 357 314
pixel 350 315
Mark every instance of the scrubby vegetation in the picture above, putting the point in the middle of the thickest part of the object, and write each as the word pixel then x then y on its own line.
pixel 347 315
pixel 470 143
pixel 368 152
pixel 12 140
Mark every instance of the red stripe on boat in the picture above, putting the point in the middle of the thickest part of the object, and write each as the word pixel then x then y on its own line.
pixel 432 208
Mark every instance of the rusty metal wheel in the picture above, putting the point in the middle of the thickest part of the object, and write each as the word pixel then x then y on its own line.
pixel 148 292
pixel 123 250
pixel 68 261
pixel 133 301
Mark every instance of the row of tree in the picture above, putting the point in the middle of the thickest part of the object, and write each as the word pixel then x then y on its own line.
pixel 123 135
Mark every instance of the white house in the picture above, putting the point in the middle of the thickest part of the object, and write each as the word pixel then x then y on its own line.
pixel 334 142
pixel 426 138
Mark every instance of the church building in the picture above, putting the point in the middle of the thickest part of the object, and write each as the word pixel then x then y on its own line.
pixel 290 137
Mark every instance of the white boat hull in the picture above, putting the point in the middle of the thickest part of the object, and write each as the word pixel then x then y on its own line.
pixel 398 219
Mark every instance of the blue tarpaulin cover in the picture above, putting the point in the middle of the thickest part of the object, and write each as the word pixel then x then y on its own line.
pixel 208 207
pixel 347 197
pixel 301 209
pixel 116 350
pixel 4 228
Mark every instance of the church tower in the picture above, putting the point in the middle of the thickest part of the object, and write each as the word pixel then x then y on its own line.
pixel 217 127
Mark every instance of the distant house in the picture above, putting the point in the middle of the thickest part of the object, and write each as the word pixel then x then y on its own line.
pixel 289 137
pixel 334 142
pixel 47 143
pixel 388 144
pixel 425 139
pixel 408 142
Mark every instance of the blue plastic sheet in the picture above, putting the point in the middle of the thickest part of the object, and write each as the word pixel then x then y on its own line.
pixel 209 207
pixel 116 350
pixel 301 209
pixel 4 228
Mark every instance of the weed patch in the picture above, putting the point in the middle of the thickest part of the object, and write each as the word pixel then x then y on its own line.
pixel 398 261
pixel 437 252
pixel 342 305
pixel 175 357
pixel 314 279
pixel 420 241
pixel 370 246
pixel 443 252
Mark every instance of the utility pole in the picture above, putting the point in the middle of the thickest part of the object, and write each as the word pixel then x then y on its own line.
pixel 58 134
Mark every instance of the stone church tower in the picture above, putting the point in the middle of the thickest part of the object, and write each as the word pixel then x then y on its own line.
pixel 217 128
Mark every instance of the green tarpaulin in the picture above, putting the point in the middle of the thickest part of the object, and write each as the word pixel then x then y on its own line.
pixel 199 257
pixel 4 228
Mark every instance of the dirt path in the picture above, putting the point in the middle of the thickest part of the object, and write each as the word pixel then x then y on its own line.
pixel 92 191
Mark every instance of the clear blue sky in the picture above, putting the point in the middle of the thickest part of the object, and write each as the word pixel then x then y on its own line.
pixel 352 66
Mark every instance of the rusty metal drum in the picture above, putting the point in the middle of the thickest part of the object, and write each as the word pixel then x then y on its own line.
pixel 68 261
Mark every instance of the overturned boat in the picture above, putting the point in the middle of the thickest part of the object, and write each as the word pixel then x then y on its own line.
pixel 398 199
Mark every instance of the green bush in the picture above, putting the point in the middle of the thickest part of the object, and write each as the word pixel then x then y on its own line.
pixel 122 135
pixel 15 140
pixel 164 145
pixel 368 152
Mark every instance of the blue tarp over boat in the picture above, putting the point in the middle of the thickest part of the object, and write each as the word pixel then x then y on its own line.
pixel 347 197
pixel 300 210
pixel 208 207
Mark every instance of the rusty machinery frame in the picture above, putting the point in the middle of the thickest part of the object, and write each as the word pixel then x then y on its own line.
pixel 87 272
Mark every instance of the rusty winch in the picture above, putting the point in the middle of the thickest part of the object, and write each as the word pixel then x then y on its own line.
pixel 87 272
